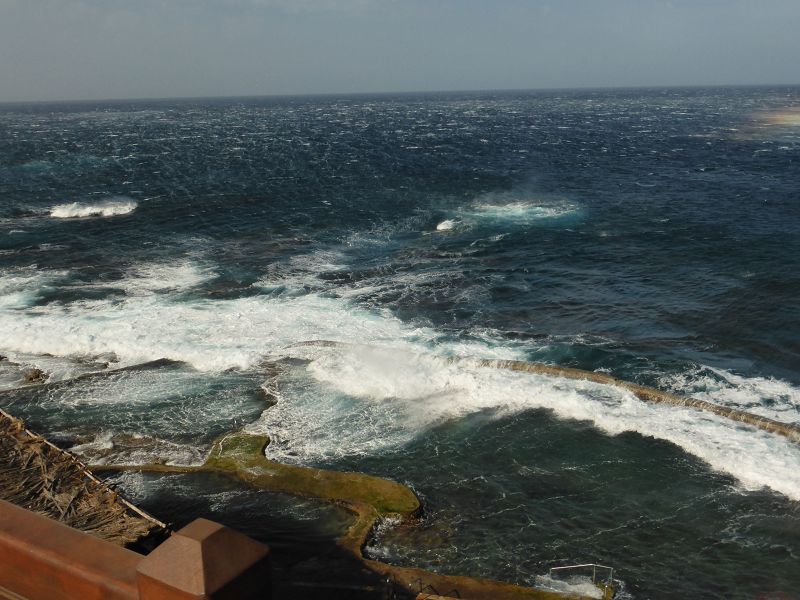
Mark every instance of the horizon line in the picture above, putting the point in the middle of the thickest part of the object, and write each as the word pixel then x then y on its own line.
pixel 396 92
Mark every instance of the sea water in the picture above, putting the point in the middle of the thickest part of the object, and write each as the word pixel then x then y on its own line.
pixel 650 234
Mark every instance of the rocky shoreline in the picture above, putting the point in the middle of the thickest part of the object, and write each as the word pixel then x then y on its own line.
pixel 370 500
pixel 67 490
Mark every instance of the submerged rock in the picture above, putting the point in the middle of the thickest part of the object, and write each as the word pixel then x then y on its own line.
pixel 34 375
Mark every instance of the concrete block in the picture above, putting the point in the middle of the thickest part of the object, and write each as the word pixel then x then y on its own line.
pixel 205 560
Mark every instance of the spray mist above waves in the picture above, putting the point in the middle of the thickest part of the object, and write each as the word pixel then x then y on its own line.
pixel 396 384
pixel 115 206
pixel 508 210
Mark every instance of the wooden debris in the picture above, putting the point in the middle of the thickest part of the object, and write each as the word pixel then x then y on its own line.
pixel 39 476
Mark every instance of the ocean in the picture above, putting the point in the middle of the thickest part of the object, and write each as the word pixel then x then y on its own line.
pixel 651 234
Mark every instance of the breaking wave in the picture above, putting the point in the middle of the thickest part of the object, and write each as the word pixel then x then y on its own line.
pixel 108 208
pixel 765 396
pixel 367 399
pixel 397 383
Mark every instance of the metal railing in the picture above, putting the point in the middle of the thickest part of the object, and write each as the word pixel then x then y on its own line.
pixel 606 584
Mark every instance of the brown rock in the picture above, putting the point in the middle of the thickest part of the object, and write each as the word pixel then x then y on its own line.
pixel 34 376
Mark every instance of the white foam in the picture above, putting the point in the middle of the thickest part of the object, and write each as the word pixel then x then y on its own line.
pixel 509 210
pixel 102 441
pixel 106 449
pixel 211 335
pixel 126 389
pixel 118 205
pixel 523 210
pixel 765 396
pixel 152 278
pixel 55 368
pixel 402 283
pixel 180 406
pixel 20 288
pixel 10 375
pixel 300 273
pixel 577 586
pixel 367 399
pixel 393 387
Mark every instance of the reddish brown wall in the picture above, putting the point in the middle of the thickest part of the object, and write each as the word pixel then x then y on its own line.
pixel 43 559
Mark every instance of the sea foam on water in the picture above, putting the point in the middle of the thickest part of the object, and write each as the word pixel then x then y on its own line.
pixel 397 382
pixel 109 208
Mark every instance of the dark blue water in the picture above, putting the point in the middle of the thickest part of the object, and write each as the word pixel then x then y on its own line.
pixel 650 234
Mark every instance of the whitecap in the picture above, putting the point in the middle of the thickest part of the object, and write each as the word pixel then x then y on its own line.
pixel 109 208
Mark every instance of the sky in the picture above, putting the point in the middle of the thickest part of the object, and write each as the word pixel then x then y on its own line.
pixel 102 49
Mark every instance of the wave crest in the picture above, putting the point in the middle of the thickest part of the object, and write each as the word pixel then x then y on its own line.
pixel 108 208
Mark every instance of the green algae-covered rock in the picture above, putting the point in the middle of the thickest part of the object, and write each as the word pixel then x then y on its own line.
pixel 242 455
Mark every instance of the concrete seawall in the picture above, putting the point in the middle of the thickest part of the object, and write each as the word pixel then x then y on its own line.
pixel 652 395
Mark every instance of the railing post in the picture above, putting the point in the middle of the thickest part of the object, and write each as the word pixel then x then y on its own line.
pixel 205 561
